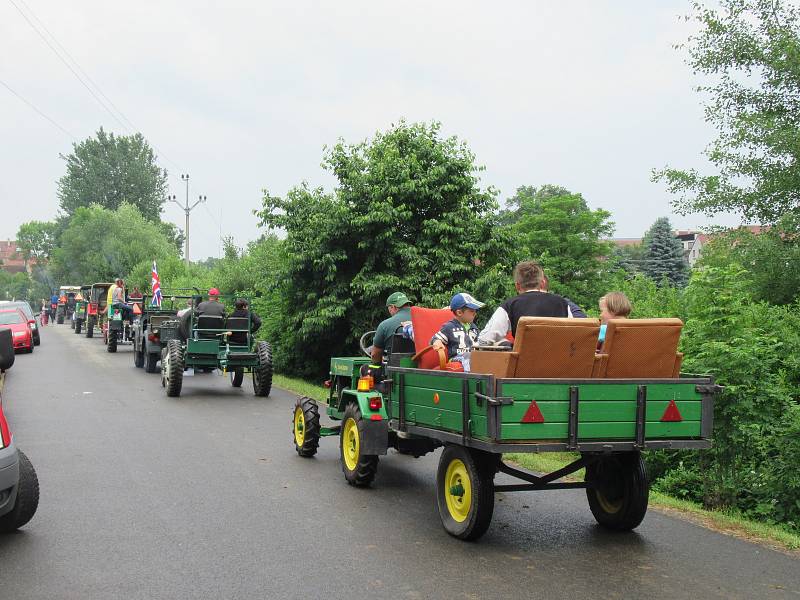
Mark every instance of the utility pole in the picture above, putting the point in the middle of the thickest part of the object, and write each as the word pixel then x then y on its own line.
pixel 187 209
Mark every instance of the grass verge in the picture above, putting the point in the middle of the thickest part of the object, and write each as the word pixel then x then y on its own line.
pixel 724 521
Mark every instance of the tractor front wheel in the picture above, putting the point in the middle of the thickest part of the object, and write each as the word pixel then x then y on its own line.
pixel 150 361
pixel 111 341
pixel 465 491
pixel 618 490
pixel 138 357
pixel 237 376
pixel 305 426
pixel 172 369
pixel 359 470
pixel 90 327
pixel 78 327
pixel 262 372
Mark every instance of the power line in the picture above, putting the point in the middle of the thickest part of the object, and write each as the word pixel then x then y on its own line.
pixel 8 87
pixel 81 79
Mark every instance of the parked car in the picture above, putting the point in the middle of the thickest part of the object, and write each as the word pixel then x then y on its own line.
pixel 19 486
pixel 15 320
pixel 25 308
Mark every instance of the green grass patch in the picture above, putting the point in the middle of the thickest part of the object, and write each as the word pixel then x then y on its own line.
pixel 726 521
pixel 301 387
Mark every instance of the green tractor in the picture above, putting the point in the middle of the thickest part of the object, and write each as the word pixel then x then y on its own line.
pixel 209 342
pixel 550 392
pixel 81 307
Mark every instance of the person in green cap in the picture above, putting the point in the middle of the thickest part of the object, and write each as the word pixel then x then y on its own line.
pixel 399 307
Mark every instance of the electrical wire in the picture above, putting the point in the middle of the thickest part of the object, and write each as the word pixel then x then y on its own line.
pixel 30 104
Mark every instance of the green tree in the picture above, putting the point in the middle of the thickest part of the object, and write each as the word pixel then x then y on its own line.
pixel 407 214
pixel 100 244
pixel 529 196
pixel 748 51
pixel 36 239
pixel 566 237
pixel 663 257
pixel 110 170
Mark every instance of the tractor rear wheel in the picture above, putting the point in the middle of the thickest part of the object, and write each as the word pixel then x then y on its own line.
pixel 465 491
pixel 172 369
pixel 618 490
pixel 262 372
pixel 237 376
pixel 150 361
pixel 359 470
pixel 305 426
pixel 90 327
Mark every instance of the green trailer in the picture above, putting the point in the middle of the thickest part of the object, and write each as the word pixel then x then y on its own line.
pixel 210 342
pixel 479 417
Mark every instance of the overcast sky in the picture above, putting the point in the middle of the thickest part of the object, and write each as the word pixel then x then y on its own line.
pixel 244 96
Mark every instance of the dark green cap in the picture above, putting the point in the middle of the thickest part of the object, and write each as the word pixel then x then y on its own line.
pixel 397 299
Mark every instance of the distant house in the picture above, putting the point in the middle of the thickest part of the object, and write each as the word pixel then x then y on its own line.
pixel 11 259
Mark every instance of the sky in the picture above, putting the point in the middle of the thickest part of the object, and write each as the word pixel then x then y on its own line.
pixel 245 96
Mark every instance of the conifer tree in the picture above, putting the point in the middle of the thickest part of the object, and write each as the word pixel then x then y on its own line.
pixel 663 256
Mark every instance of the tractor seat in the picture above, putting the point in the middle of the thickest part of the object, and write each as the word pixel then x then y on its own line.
pixel 240 327
pixel 209 322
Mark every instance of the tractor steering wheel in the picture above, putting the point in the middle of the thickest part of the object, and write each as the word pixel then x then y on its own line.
pixel 362 343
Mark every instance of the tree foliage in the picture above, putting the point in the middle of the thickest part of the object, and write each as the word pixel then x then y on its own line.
pixel 110 170
pixel 749 52
pixel 561 232
pixel 100 244
pixel 407 214
pixel 663 254
pixel 37 239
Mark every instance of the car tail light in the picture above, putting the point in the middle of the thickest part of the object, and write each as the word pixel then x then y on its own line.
pixel 375 403
pixel 153 337
pixel 5 433
pixel 326 383
pixel 365 384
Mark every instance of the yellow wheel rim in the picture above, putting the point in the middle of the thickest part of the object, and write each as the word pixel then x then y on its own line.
pixel 606 504
pixel 299 427
pixel 350 444
pixel 458 490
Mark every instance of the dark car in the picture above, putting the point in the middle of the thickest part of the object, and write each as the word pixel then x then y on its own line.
pixel 15 320
pixel 26 308
pixel 19 486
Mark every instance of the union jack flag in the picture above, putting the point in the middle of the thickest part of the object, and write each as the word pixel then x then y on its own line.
pixel 156 286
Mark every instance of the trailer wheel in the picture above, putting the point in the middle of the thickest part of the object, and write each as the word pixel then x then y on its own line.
pixel 262 372
pixel 465 491
pixel 172 369
pixel 90 327
pixel 359 470
pixel 237 376
pixel 27 497
pixel 618 490
pixel 305 426
pixel 150 362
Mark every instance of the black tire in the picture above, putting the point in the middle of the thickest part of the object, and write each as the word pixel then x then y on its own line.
pixel 138 357
pixel 618 490
pixel 27 498
pixel 111 342
pixel 90 327
pixel 305 427
pixel 474 472
pixel 362 468
pixel 172 369
pixel 60 318
pixel 237 376
pixel 151 362
pixel 262 372
pixel 78 327
pixel 37 339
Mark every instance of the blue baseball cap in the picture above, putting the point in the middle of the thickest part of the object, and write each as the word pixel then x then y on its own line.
pixel 464 300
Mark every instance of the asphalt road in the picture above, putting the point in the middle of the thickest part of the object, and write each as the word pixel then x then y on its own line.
pixel 203 496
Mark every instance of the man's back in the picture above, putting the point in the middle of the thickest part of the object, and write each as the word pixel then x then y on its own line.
pixel 534 304
pixel 211 308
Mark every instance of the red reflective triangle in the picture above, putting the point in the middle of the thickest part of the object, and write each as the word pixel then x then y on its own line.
pixel 672 413
pixel 533 414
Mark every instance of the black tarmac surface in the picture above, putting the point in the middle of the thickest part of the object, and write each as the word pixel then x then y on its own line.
pixel 203 496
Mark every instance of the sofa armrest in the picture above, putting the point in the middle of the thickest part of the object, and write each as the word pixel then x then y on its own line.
pixel 599 365
pixel 676 371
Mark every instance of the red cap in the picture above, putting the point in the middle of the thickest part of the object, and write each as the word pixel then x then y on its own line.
pixel 213 292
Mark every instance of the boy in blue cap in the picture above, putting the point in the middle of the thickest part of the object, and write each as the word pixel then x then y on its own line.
pixel 459 334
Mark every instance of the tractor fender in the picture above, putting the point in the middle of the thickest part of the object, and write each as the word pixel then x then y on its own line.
pixel 375 431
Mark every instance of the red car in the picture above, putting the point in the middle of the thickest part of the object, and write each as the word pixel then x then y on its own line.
pixel 15 320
